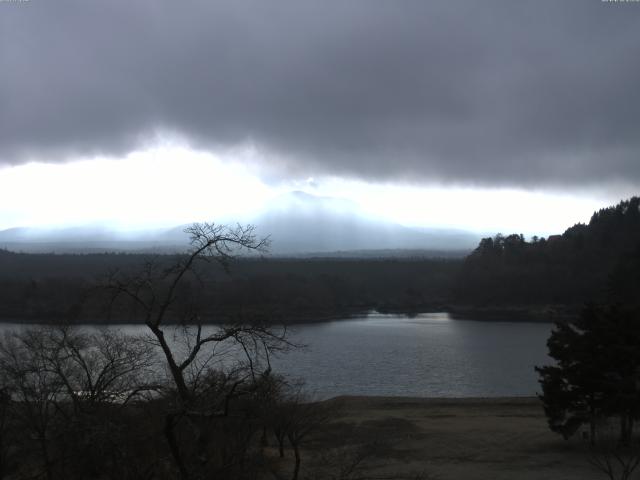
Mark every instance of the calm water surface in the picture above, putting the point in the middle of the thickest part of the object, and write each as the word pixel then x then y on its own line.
pixel 428 355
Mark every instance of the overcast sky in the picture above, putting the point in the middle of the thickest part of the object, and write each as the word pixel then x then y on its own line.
pixel 523 98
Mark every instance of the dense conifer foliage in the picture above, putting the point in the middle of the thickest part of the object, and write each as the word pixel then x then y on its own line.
pixel 47 287
pixel 563 269
pixel 597 371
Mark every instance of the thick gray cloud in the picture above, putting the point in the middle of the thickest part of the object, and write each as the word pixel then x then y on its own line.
pixel 494 92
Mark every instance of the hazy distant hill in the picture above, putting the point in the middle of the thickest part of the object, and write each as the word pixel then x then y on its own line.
pixel 297 223
pixel 87 239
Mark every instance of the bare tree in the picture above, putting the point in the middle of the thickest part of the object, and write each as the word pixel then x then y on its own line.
pixel 97 368
pixel 35 392
pixel 351 463
pixel 209 365
pixel 295 417
pixel 6 437
pixel 93 402
pixel 66 391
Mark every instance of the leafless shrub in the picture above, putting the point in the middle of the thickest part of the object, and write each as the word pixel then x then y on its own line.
pixel 67 392
pixel 354 463
pixel 614 459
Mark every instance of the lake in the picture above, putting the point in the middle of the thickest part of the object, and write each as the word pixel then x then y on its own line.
pixel 428 355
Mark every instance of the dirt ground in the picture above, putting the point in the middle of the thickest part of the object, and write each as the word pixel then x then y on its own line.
pixel 444 439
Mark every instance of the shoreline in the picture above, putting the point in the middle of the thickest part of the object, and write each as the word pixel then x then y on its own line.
pixel 515 313
pixel 402 399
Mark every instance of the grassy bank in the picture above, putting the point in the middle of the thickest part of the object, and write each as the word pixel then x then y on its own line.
pixel 499 438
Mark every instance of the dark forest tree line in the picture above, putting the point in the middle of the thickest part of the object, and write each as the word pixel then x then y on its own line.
pixel 564 269
pixel 40 287
pixel 595 381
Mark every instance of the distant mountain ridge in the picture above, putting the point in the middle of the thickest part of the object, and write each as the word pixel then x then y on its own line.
pixel 297 223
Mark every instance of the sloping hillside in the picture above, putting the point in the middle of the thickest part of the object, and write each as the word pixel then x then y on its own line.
pixel 579 265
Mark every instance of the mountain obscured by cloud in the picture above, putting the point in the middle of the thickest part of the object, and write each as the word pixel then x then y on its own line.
pixel 494 92
pixel 89 239
pixel 297 223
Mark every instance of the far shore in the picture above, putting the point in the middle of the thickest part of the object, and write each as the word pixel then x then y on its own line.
pixel 501 313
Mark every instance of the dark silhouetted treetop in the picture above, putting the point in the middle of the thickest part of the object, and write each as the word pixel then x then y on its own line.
pixel 597 369
pixel 568 269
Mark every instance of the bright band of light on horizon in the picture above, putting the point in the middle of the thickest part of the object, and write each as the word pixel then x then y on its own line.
pixel 168 185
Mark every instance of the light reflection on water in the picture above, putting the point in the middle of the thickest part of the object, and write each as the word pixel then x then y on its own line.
pixel 426 355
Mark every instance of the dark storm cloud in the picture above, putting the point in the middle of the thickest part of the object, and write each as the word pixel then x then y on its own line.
pixel 492 92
